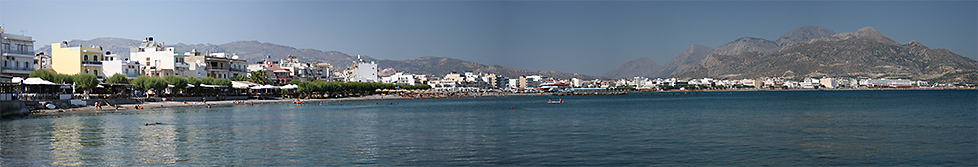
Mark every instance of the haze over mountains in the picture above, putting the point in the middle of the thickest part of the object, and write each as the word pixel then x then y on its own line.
pixel 813 51
pixel 809 51
pixel 254 51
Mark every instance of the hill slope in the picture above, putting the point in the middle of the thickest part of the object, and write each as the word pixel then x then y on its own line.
pixel 254 51
pixel 684 60
pixel 638 67
pixel 439 66
pixel 865 53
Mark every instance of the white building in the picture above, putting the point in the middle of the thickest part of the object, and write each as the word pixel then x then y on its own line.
pixel 828 82
pixel 158 60
pixel 215 65
pixel 120 64
pixel 400 78
pixel 885 83
pixel 362 72
pixel 576 82
pixel 17 53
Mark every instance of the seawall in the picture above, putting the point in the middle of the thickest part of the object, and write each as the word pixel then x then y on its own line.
pixel 13 109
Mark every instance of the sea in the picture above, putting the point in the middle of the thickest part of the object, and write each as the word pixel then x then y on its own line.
pixel 740 128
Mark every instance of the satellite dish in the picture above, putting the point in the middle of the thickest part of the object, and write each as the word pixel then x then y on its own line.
pixel 198 61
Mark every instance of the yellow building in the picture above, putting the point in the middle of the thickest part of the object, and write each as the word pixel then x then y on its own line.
pixel 77 59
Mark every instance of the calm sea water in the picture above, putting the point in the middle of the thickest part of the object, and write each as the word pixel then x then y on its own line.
pixel 837 128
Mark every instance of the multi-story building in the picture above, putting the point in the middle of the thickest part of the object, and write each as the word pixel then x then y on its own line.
pixel 17 54
pixel 400 78
pixel 42 61
pixel 66 59
pixel 829 82
pixel 120 64
pixel 362 72
pixel 159 60
pixel 215 65
pixel 321 71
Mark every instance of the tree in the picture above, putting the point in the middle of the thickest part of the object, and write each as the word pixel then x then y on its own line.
pixel 51 76
pixel 194 81
pixel 139 84
pixel 156 83
pixel 295 82
pixel 239 78
pixel 176 81
pixel 117 79
pixel 207 81
pixel 43 74
pixel 144 83
pixel 224 82
pixel 86 82
pixel 259 77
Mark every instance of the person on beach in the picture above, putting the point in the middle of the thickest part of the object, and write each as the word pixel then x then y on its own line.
pixel 204 100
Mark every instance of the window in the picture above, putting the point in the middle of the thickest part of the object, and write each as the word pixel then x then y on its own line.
pixel 96 73
pixel 86 58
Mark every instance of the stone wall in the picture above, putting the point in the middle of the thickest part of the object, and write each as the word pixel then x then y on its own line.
pixel 13 109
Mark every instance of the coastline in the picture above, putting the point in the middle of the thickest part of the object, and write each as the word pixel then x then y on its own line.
pixel 151 106
pixel 162 105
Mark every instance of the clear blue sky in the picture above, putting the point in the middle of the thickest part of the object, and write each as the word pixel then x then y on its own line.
pixel 587 37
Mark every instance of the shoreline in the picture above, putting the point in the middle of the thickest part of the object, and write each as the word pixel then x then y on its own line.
pixel 162 105
pixel 151 106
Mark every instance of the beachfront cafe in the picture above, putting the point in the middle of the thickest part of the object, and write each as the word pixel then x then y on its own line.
pixel 34 89
pixel 112 91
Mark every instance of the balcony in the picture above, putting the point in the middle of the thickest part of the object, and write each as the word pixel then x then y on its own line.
pixel 181 65
pixel 22 54
pixel 15 70
pixel 217 69
pixel 91 63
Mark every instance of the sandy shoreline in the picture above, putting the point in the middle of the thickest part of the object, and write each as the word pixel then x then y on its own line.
pixel 230 103
pixel 149 106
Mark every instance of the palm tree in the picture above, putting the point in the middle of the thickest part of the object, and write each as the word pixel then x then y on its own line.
pixel 259 77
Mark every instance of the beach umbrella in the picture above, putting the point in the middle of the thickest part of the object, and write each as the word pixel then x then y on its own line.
pixel 290 86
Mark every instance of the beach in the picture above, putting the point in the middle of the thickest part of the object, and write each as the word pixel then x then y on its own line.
pixel 162 105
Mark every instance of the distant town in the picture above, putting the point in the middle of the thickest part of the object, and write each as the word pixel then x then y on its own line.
pixel 71 69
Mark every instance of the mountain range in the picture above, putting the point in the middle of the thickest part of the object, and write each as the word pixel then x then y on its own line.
pixel 254 51
pixel 813 51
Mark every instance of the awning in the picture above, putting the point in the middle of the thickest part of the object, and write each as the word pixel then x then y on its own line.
pixel 264 87
pixel 32 81
pixel 290 86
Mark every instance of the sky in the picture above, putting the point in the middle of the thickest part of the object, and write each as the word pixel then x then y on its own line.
pixel 586 37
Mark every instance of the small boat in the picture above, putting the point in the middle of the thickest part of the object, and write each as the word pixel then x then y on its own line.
pixel 558 101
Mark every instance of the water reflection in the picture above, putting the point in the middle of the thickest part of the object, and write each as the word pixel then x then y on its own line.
pixel 65 142
pixel 585 131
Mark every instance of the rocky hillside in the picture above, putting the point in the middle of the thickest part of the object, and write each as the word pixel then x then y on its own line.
pixel 439 66
pixel 638 67
pixel 254 51
pixel 803 35
pixel 684 60
pixel 747 44
pixel 865 53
